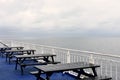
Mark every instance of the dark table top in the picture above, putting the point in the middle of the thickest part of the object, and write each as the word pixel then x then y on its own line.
pixel 34 55
pixel 12 47
pixel 65 67
pixel 23 50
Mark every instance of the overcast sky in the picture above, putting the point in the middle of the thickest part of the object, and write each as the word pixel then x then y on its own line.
pixel 59 17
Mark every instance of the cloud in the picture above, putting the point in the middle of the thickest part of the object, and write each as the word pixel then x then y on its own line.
pixel 81 16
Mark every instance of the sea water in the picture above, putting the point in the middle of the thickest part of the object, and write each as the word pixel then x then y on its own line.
pixel 105 45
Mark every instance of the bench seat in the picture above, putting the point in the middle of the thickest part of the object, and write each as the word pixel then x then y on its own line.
pixel 98 78
pixel 35 73
pixel 37 63
pixel 23 65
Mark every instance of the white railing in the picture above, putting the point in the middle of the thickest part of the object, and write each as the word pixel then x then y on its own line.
pixel 110 64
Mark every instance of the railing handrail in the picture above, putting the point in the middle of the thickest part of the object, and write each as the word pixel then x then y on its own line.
pixel 4 44
pixel 90 52
pixel 109 62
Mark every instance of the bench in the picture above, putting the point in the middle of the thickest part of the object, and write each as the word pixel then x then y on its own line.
pixel 36 74
pixel 37 59
pixel 98 78
pixel 39 63
pixel 77 66
pixel 23 65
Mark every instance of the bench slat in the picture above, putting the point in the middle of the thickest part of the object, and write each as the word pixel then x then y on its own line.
pixel 98 78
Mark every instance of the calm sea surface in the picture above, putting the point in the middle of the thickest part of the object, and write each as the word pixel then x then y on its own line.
pixel 108 45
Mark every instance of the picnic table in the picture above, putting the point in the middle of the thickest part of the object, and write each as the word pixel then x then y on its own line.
pixel 3 49
pixel 77 67
pixel 11 53
pixel 46 59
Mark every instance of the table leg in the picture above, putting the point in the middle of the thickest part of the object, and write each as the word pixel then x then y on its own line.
pixel 48 75
pixel 16 63
pixel 52 58
pixel 21 65
pixel 81 71
pixel 6 56
pixel 38 75
pixel 94 71
pixel 10 56
pixel 46 59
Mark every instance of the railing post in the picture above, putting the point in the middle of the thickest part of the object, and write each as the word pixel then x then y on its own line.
pixel 53 51
pixel 91 59
pixel 116 71
pixel 42 50
pixel 11 43
pixel 68 56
